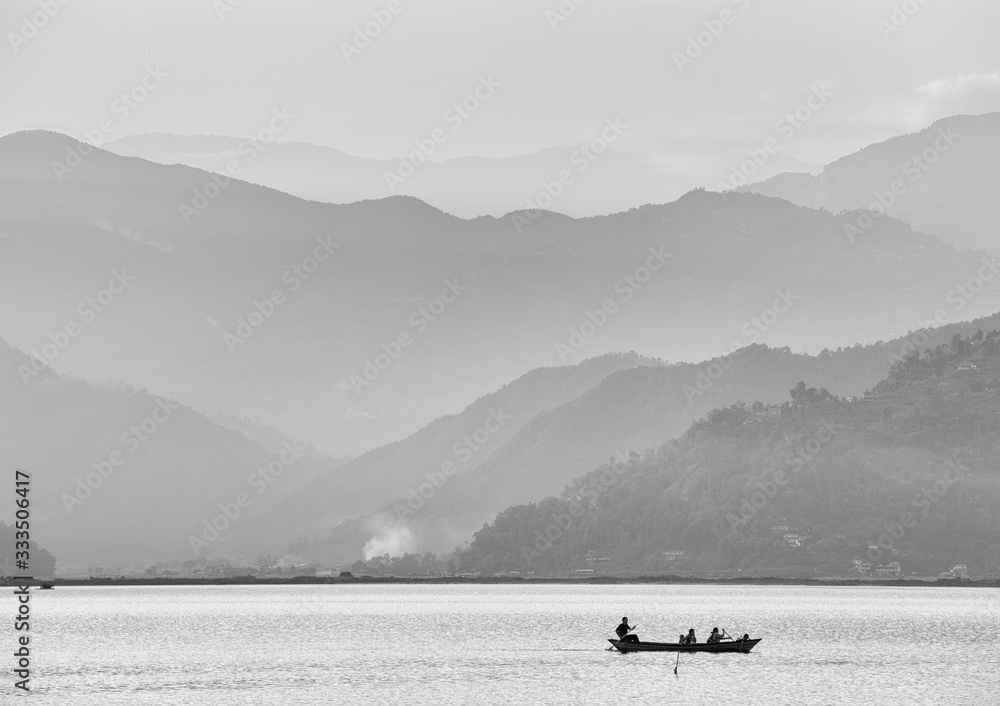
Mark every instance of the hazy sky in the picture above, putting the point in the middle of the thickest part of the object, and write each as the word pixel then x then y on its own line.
pixel 227 71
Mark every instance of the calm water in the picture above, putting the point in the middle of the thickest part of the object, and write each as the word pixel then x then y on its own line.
pixel 508 644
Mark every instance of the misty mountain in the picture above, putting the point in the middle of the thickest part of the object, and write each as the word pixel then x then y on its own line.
pixel 630 411
pixel 464 186
pixel 905 474
pixel 943 180
pixel 476 303
pixel 120 475
pixel 444 449
pixel 274 440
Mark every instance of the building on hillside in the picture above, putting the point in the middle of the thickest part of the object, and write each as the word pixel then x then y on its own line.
pixel 959 571
pixel 792 539
pixel 891 570
pixel 673 555
pixel 863 568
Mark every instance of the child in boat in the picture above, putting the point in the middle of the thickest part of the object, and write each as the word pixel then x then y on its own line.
pixel 681 641
pixel 714 637
pixel 623 631
pixel 690 639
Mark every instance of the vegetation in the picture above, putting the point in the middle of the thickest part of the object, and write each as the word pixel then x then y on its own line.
pixel 815 482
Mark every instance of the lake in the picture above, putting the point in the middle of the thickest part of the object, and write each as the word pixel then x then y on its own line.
pixel 499 644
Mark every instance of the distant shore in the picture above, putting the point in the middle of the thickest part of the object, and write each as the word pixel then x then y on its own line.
pixel 453 580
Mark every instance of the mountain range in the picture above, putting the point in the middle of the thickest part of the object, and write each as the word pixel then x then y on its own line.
pixel 121 476
pixel 817 486
pixel 233 321
pixel 942 180
pixel 468 187
pixel 354 326
pixel 417 507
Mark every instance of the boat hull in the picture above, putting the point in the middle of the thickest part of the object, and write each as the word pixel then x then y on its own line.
pixel 727 646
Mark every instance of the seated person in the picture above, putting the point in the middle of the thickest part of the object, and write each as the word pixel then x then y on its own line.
pixel 715 637
pixel 623 631
pixel 681 641
pixel 690 639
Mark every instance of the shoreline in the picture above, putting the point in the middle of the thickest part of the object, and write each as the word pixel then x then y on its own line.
pixel 451 580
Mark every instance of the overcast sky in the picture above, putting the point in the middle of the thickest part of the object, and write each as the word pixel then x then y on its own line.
pixel 226 72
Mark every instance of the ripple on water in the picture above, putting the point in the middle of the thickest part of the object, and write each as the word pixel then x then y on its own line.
pixel 415 645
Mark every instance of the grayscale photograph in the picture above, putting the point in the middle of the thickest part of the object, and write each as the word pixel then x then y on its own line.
pixel 487 352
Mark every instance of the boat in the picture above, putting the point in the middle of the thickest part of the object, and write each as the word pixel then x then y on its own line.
pixel 47 585
pixel 724 646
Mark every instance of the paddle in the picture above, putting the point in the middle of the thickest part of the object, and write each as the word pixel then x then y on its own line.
pixel 622 638
pixel 677 663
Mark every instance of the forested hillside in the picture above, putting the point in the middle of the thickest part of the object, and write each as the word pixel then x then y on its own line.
pixel 631 410
pixel 908 473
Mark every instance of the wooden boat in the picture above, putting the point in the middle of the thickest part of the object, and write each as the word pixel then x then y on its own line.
pixel 724 646
pixel 48 585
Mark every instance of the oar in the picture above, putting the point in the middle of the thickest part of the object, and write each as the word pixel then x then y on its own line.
pixel 623 637
pixel 678 662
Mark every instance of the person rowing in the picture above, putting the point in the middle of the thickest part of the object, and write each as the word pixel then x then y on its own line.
pixel 715 637
pixel 623 631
